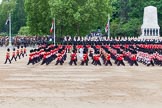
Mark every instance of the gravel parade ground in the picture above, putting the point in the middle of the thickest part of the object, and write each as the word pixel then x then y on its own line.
pixel 37 86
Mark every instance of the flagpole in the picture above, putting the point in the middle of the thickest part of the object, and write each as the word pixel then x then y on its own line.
pixel 10 41
pixel 108 26
pixel 54 33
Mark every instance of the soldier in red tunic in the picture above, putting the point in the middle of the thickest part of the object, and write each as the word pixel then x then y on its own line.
pixel 25 51
pixel 18 52
pixel 8 56
pixel 120 59
pixel 13 55
pixel 96 58
pixel 108 59
pixel 31 57
pixel 45 57
pixel 134 59
pixel 59 58
pixel 21 52
pixel 85 58
pixel 91 52
pixel 73 58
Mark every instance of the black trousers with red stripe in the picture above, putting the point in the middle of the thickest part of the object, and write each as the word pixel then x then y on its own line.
pixel 84 62
pixel 13 57
pixel 133 62
pixel 7 59
pixel 108 62
pixel 73 61
pixel 31 61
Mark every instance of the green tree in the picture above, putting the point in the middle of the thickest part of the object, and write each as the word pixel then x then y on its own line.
pixel 5 8
pixel 18 16
pixel 24 31
pixel 79 17
pixel 38 16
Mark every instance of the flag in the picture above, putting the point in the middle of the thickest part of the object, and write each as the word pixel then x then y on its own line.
pixel 7 21
pixel 52 27
pixel 107 26
pixel 53 30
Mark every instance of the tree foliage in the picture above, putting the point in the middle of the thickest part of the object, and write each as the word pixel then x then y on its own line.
pixel 128 15
pixel 38 16
pixel 5 8
pixel 79 17
pixel 18 16
pixel 76 17
pixel 24 31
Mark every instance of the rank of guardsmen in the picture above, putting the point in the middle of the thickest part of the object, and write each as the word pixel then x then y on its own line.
pixel 17 53
pixel 99 52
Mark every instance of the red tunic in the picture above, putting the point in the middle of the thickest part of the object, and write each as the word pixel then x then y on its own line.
pixel 21 51
pixel 85 57
pixel 120 57
pixel 31 56
pixel 68 46
pixel 45 55
pixel 59 57
pixel 13 53
pixel 17 52
pixel 97 57
pixel 73 56
pixel 108 57
pixel 24 50
pixel 7 55
pixel 98 46
pixel 133 57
